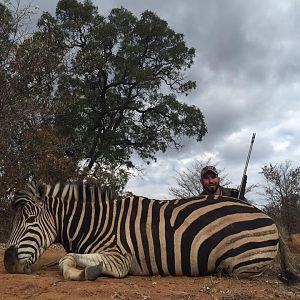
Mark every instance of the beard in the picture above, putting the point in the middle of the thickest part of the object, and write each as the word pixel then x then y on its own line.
pixel 212 188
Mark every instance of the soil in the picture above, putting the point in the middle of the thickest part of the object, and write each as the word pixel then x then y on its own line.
pixel 46 282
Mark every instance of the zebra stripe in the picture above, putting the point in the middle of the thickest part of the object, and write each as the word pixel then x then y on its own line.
pixel 140 236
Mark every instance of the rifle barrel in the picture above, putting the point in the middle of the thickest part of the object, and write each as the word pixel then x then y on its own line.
pixel 249 153
pixel 246 165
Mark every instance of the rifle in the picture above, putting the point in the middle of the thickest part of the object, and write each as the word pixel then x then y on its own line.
pixel 242 190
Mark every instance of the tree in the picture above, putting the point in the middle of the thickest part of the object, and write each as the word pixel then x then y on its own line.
pixel 88 89
pixel 189 180
pixel 117 92
pixel 282 191
pixel 29 144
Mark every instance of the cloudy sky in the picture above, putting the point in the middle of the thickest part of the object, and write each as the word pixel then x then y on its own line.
pixel 247 72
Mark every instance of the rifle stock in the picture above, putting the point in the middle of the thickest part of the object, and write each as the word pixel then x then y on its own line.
pixel 243 188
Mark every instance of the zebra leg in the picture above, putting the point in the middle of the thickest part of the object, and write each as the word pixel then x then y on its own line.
pixel 68 265
pixel 94 264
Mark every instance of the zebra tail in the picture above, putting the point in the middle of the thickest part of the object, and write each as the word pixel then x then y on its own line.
pixel 288 275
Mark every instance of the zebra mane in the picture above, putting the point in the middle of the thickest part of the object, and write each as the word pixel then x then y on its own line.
pixel 58 188
pixel 106 191
pixel 35 192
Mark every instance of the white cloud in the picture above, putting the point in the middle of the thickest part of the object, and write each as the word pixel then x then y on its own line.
pixel 247 71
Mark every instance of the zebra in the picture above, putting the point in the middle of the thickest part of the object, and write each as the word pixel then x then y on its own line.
pixel 111 236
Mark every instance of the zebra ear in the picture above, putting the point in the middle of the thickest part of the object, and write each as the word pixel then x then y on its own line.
pixel 41 189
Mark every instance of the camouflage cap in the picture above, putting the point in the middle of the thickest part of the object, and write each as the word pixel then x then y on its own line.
pixel 209 169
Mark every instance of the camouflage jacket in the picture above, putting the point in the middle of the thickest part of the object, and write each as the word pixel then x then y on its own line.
pixel 225 192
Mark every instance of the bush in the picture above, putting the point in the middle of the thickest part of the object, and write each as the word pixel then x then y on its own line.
pixel 6 217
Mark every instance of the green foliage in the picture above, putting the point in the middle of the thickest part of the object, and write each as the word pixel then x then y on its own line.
pixel 93 88
pixel 6 29
pixel 118 92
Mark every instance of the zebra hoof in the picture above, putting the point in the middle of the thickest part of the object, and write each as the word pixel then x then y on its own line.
pixel 93 272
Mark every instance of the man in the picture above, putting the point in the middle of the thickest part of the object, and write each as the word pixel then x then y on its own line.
pixel 210 181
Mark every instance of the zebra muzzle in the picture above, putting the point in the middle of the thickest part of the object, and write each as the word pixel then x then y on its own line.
pixel 27 268
pixel 12 263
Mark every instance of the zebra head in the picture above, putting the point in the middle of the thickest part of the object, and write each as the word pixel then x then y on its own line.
pixel 33 230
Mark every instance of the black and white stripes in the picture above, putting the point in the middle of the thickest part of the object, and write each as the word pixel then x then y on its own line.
pixel 140 236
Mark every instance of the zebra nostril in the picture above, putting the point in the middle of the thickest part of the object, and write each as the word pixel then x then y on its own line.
pixel 27 268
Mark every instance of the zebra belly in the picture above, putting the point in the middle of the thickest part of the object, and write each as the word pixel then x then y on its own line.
pixel 248 251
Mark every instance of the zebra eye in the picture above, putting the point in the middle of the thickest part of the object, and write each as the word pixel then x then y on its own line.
pixel 30 219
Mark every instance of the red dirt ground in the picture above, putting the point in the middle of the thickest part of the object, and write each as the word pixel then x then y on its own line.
pixel 47 283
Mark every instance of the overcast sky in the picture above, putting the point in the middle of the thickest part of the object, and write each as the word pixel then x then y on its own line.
pixel 247 73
